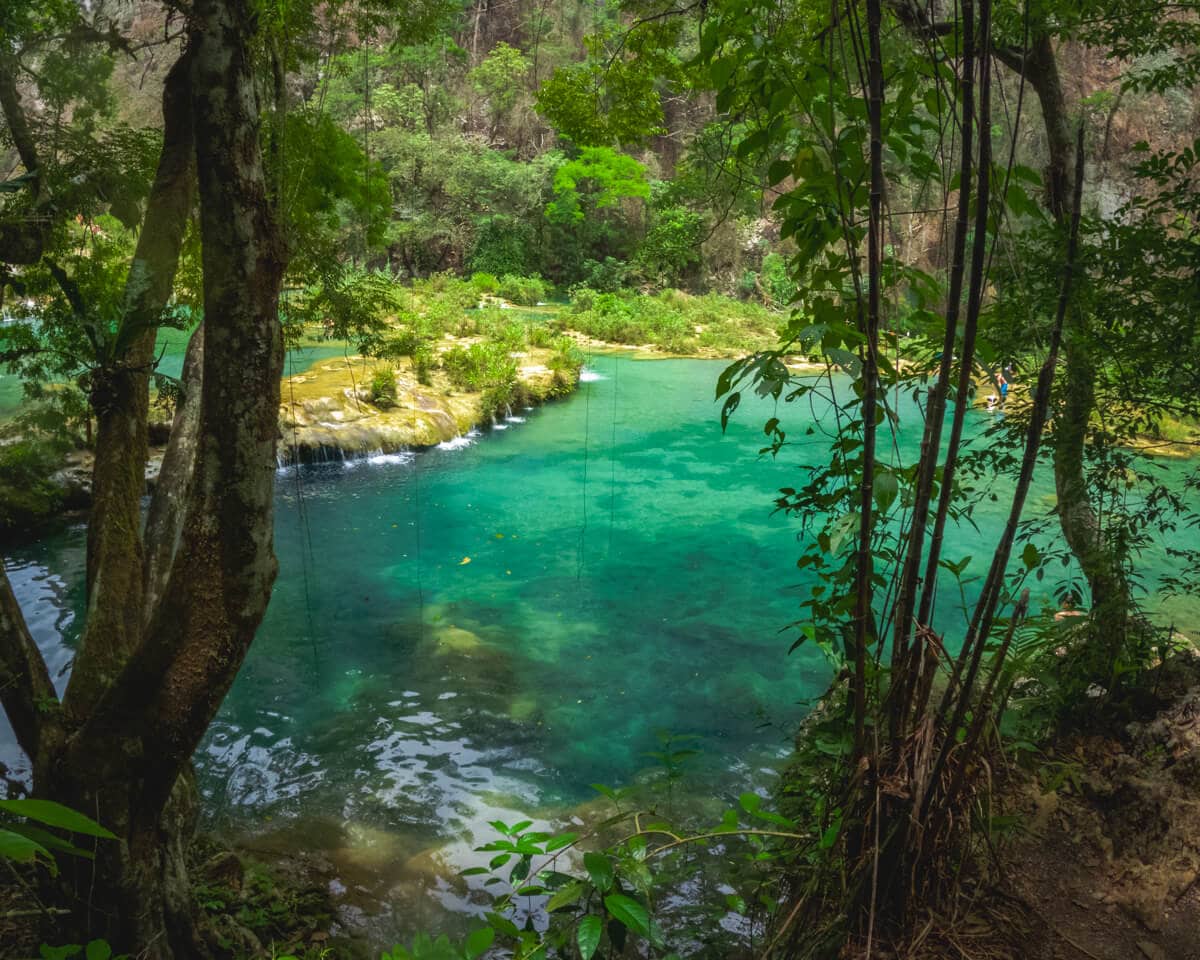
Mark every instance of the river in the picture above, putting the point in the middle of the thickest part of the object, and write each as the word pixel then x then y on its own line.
pixel 487 628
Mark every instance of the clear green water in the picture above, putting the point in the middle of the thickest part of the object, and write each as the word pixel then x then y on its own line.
pixel 626 576
pixel 171 346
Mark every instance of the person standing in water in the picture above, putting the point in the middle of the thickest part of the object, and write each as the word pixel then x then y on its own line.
pixel 1002 383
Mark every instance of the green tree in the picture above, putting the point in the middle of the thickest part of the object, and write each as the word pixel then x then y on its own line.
pixel 500 82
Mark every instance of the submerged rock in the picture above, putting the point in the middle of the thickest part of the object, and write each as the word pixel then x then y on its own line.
pixel 456 640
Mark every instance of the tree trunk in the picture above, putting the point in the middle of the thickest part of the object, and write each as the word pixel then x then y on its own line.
pixel 1081 528
pixel 169 624
pixel 216 589
pixel 120 398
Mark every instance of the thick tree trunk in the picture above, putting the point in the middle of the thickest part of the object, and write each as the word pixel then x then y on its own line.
pixel 171 626
pixel 213 579
pixel 120 398
pixel 136 894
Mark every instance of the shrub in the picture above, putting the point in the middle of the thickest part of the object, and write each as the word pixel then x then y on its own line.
pixel 672 320
pixel 567 357
pixel 513 336
pixel 480 366
pixel 525 291
pixel 445 292
pixel 540 335
pixel 776 281
pixel 582 297
pixel 608 275
pixel 485 282
pixel 670 251
pixel 28 497
pixel 383 387
pixel 423 362
pixel 502 246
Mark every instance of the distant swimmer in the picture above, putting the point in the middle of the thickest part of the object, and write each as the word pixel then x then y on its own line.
pixel 1070 608
pixel 992 400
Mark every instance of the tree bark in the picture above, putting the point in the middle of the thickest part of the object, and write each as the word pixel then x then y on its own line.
pixel 23 241
pixel 171 627
pixel 1080 525
pixel 120 399
pixel 220 575
pixel 165 518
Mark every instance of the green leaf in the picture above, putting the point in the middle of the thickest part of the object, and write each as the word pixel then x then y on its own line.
pixel 14 846
pixel 588 935
pixel 721 70
pixel 637 848
pixel 600 869
pixel 59 953
pixel 56 815
pixel 98 950
pixel 562 840
pixel 631 914
pixel 565 897
pixel 521 870
pixel 477 942
pixel 730 405
pixel 1030 556
pixel 49 840
pixel 886 489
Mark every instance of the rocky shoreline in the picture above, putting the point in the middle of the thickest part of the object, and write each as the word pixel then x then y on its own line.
pixel 327 413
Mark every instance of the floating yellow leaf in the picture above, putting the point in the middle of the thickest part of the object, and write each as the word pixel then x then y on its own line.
pixel 499 536
pixel 464 561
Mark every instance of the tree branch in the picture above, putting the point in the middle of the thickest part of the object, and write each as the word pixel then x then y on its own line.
pixel 25 686
pixel 114 543
pixel 22 241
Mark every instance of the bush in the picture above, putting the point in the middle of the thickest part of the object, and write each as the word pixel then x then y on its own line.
pixel 608 275
pixel 479 367
pixel 485 282
pixel 502 246
pixel 567 358
pixel 446 293
pixel 776 281
pixel 672 320
pixel 540 335
pixel 513 336
pixel 423 362
pixel 670 251
pixel 582 297
pixel 524 291
pixel 28 497
pixel 383 387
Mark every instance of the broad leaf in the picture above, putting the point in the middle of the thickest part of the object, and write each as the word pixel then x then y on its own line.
pixel 600 869
pixel 56 815
pixel 587 936
pixel 631 914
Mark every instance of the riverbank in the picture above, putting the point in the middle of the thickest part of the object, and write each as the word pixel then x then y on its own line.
pixel 331 411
